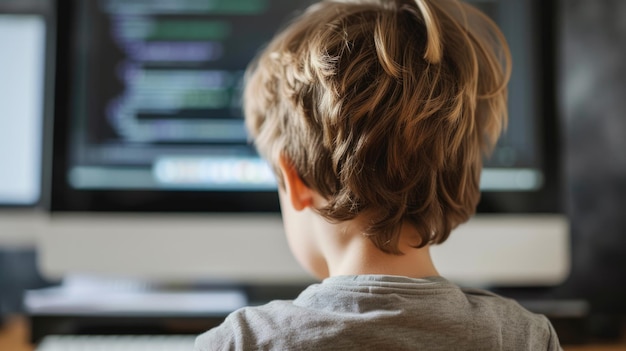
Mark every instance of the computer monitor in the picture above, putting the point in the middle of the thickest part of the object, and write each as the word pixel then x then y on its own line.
pixel 22 39
pixel 153 174
pixel 22 109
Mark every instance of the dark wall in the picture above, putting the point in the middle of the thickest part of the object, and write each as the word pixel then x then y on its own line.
pixel 593 106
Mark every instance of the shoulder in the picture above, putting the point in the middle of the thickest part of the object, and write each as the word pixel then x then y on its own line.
pixel 499 306
pixel 517 324
pixel 248 328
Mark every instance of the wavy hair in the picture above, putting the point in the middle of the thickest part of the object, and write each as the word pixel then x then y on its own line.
pixel 384 107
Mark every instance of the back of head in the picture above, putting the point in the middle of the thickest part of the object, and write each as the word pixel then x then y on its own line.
pixel 384 107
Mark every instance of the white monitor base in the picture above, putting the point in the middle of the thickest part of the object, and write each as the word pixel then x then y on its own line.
pixel 487 251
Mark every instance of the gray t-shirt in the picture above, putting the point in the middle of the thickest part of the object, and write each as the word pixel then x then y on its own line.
pixel 378 312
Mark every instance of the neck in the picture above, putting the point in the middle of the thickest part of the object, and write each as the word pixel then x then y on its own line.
pixel 349 252
pixel 365 258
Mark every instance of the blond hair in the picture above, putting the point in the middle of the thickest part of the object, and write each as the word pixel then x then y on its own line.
pixel 386 108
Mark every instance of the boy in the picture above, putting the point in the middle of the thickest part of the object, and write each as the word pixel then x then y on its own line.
pixel 375 115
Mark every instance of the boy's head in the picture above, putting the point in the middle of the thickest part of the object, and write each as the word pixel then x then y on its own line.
pixel 385 108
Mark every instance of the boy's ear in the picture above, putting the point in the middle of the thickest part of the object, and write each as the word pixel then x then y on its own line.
pixel 300 195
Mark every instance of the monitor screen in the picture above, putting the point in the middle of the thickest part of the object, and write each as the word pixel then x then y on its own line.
pixel 148 119
pixel 154 107
pixel 22 42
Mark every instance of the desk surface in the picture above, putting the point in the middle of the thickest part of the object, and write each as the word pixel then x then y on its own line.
pixel 14 335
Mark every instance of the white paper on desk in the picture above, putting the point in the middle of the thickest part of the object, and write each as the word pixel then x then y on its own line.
pixel 59 300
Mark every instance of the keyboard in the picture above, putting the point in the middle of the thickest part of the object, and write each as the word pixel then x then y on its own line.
pixel 116 343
